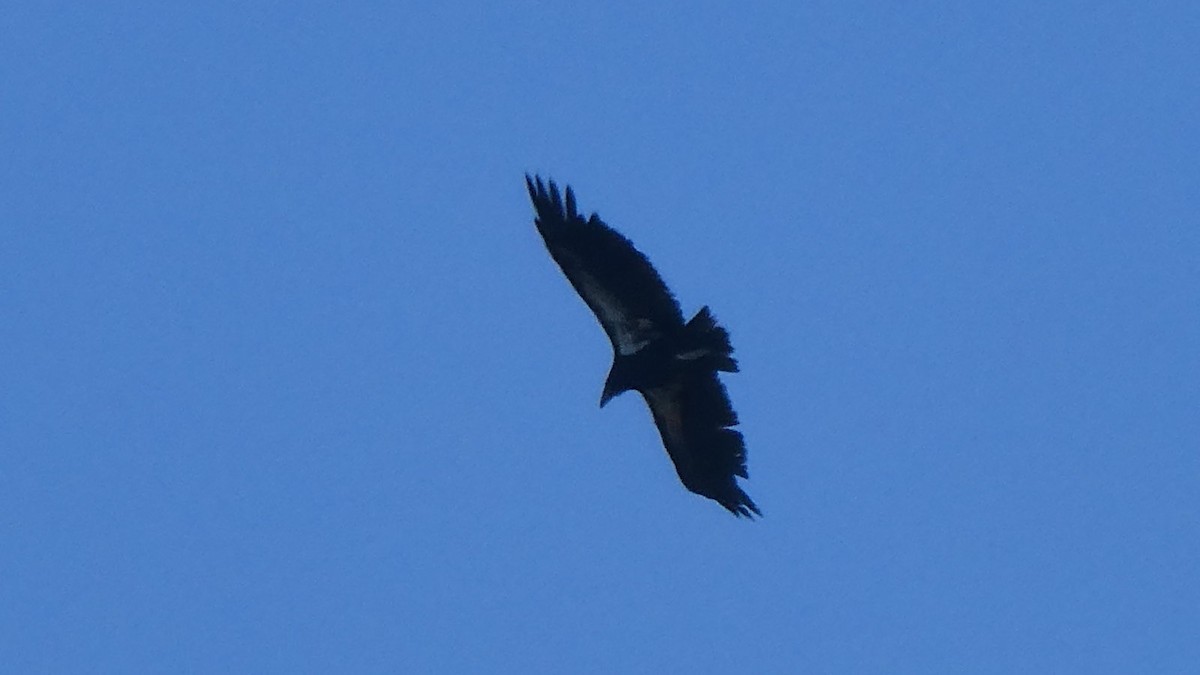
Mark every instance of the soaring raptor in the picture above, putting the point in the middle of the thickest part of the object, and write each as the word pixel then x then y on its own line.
pixel 672 364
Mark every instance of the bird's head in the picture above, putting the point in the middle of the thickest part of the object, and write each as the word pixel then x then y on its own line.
pixel 616 383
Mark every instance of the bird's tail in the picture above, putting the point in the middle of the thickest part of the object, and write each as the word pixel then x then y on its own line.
pixel 707 342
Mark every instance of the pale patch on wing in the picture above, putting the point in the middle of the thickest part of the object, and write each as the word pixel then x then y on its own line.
pixel 628 334
pixel 634 338
pixel 693 354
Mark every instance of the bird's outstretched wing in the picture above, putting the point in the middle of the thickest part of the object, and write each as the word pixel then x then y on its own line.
pixel 617 282
pixel 693 415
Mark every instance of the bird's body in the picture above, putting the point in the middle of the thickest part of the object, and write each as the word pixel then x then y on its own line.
pixel 671 363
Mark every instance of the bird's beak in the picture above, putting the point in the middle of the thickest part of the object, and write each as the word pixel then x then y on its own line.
pixel 606 396
pixel 611 385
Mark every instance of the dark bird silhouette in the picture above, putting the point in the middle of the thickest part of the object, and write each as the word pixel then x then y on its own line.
pixel 672 364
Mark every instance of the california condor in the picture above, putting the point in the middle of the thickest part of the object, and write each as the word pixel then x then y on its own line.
pixel 672 364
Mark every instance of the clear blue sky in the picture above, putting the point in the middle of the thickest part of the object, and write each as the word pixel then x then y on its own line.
pixel 291 385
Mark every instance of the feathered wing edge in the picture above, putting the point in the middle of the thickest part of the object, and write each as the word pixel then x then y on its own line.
pixel 694 416
pixel 707 343
pixel 617 281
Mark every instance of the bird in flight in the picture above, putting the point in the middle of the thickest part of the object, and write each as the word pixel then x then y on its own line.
pixel 672 364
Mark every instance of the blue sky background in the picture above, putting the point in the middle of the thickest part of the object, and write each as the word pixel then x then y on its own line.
pixel 291 385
